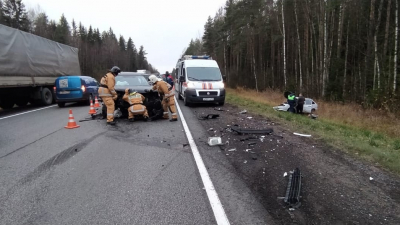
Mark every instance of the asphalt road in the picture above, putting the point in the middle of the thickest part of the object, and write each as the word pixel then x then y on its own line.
pixel 134 173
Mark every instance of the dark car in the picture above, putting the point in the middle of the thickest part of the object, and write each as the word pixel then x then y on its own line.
pixel 139 83
pixel 75 89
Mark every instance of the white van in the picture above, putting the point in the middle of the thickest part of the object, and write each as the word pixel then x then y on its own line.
pixel 199 80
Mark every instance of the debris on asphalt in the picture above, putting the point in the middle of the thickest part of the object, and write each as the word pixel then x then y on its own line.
pixel 213 141
pixel 184 145
pixel 370 178
pixel 218 109
pixel 251 144
pixel 292 196
pixel 247 150
pixel 313 116
pixel 248 138
pixel 249 117
pixel 245 161
pixel 252 131
pixel 209 116
pixel 243 112
pixel 285 174
pixel 232 150
pixel 291 209
pixel 303 135
pixel 211 129
pixel 254 158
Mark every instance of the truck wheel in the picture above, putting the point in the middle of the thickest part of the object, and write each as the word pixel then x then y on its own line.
pixel 21 102
pixel 6 103
pixel 46 97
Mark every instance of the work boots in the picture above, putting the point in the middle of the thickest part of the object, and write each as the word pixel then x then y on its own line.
pixel 173 120
pixel 112 123
pixel 131 120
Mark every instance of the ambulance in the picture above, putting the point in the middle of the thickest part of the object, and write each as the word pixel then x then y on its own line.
pixel 199 80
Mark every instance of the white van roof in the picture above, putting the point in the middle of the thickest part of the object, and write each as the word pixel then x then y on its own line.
pixel 201 63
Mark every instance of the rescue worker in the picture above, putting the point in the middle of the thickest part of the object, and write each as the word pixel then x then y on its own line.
pixel 292 102
pixel 166 92
pixel 300 104
pixel 108 94
pixel 135 101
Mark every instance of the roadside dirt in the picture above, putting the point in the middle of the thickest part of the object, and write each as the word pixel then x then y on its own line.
pixel 336 188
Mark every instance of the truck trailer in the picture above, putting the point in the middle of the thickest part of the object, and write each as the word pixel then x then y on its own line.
pixel 29 66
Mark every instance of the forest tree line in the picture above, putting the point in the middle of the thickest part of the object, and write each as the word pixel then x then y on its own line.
pixel 98 51
pixel 340 50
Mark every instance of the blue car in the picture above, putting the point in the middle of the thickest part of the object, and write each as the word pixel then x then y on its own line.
pixel 75 89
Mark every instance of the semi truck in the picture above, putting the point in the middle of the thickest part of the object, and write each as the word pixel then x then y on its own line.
pixel 29 66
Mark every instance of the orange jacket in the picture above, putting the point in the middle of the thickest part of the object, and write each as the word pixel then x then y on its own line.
pixel 109 81
pixel 133 98
pixel 162 88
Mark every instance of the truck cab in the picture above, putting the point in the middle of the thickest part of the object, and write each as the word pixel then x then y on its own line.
pixel 199 80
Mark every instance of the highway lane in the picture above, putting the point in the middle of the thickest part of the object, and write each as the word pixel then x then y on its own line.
pixel 135 173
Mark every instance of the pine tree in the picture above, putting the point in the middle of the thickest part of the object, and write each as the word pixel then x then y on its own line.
pixel 41 25
pixel 142 62
pixel 90 36
pixel 1 12
pixel 62 31
pixel 122 46
pixel 14 14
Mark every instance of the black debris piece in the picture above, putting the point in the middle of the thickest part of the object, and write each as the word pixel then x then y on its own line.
pixel 184 145
pixel 249 138
pixel 254 157
pixel 209 116
pixel 292 196
pixel 251 131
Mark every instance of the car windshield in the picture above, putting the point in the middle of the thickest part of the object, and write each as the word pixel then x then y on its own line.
pixel 131 81
pixel 203 74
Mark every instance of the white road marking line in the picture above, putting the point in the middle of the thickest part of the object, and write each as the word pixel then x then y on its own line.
pixel 6 117
pixel 219 212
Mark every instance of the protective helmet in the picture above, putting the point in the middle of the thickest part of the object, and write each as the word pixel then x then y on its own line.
pixel 115 70
pixel 167 73
pixel 153 79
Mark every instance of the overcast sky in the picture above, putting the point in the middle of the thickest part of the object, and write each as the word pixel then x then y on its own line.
pixel 163 27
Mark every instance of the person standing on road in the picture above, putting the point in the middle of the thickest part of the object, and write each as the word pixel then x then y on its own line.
pixel 135 101
pixel 300 104
pixel 108 94
pixel 168 79
pixel 292 102
pixel 166 92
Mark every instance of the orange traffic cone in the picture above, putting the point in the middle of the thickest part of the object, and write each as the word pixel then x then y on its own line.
pixel 96 102
pixel 71 121
pixel 92 110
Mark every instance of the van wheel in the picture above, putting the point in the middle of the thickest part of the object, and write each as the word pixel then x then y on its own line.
pixel 61 104
pixel 46 97
pixel 185 101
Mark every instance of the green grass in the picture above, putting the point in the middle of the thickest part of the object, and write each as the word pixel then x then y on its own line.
pixel 366 144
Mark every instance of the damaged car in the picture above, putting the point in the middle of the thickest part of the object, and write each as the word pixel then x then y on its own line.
pixel 140 84
pixel 310 106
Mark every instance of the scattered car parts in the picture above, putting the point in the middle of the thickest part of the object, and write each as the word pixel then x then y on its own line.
pixel 292 196
pixel 252 131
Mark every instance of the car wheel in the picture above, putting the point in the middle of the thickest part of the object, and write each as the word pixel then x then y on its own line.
pixel 312 111
pixel 61 104
pixel 22 102
pixel 222 103
pixel 46 97
pixel 185 100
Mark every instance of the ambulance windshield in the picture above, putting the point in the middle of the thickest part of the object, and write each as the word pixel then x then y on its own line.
pixel 204 74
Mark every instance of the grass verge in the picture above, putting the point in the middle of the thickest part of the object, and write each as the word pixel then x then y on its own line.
pixel 374 146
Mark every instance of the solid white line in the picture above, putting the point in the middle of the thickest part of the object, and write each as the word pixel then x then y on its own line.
pixel 6 117
pixel 215 203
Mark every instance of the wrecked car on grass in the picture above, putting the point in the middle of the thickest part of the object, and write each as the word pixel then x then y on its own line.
pixel 310 106
pixel 140 84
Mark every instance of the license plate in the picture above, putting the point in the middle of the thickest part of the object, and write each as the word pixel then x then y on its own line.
pixel 208 99
pixel 64 92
